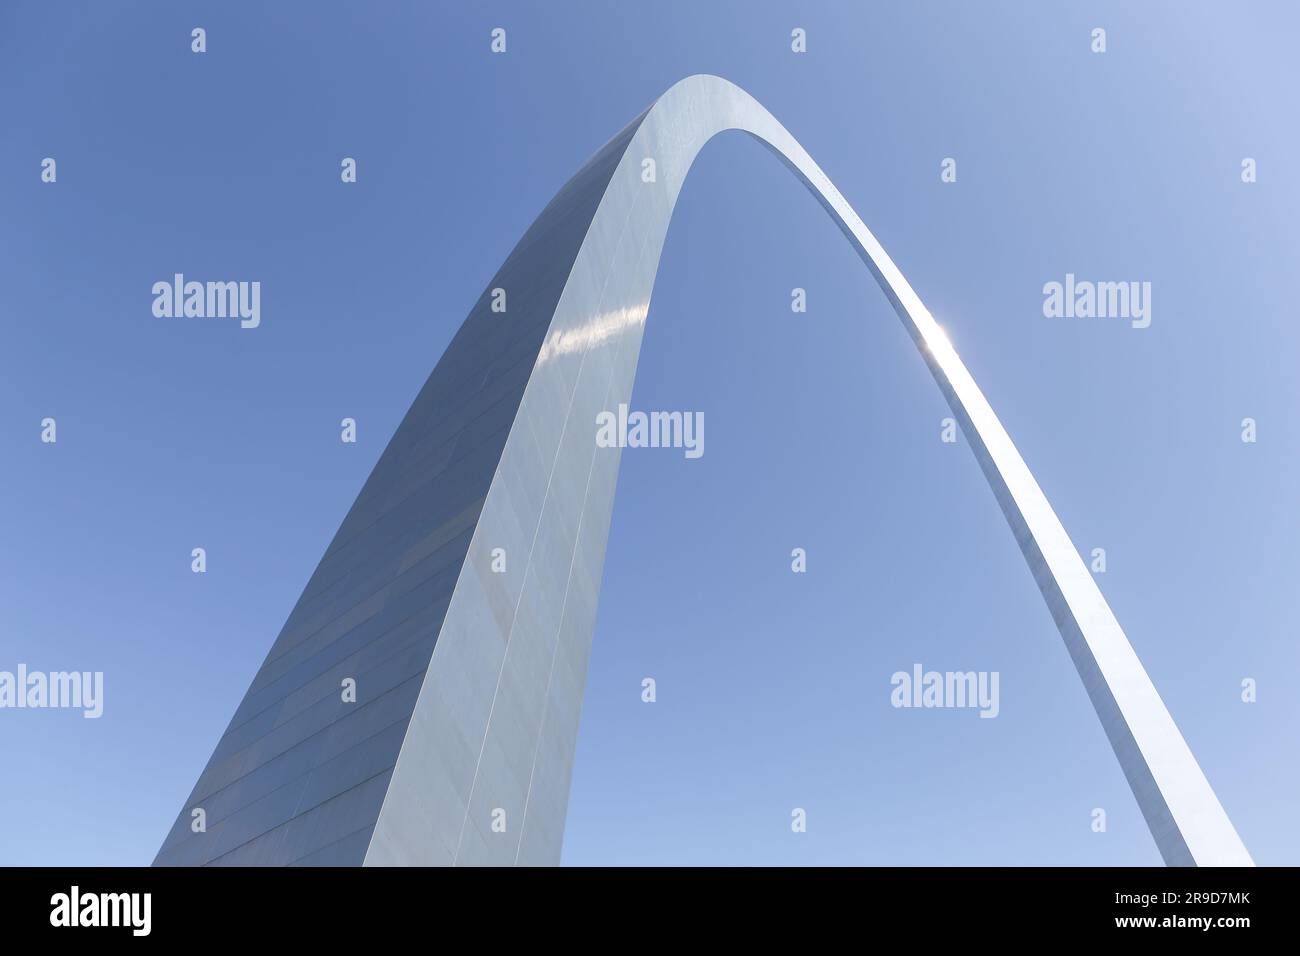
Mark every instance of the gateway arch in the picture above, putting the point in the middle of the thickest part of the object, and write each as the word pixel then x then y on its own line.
pixel 420 705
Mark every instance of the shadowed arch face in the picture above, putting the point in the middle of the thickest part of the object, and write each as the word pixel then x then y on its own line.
pixel 460 591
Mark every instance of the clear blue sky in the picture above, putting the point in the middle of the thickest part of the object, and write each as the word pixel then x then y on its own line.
pixel 822 428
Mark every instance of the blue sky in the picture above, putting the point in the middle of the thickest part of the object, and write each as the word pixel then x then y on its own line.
pixel 823 428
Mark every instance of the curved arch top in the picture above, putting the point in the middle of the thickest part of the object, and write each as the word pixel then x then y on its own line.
pixel 462 584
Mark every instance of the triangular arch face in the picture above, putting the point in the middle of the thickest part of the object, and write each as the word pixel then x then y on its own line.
pixel 458 597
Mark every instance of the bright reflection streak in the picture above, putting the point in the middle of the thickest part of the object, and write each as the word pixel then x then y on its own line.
pixel 603 327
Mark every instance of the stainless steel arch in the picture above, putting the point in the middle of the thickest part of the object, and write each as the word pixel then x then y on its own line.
pixel 485 523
